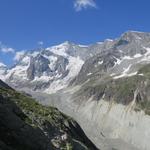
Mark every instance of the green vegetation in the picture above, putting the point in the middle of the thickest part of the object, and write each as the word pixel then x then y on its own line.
pixel 145 69
pixel 124 89
pixel 37 115
pixel 121 90
pixel 30 106
pixel 61 130
pixel 144 105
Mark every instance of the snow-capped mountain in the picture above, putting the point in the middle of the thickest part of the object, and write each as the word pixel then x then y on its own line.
pixel 51 69
pixel 123 58
pixel 47 69
pixel 104 86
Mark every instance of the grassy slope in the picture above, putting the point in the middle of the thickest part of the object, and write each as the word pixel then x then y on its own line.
pixel 121 90
pixel 50 120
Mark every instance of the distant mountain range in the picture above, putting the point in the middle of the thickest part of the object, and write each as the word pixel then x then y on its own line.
pixel 104 86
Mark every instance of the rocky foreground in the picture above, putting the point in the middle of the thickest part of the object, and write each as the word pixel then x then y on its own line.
pixel 27 125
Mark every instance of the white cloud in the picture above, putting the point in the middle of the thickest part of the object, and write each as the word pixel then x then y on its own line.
pixel 2 64
pixel 19 55
pixel 40 43
pixel 5 49
pixel 83 4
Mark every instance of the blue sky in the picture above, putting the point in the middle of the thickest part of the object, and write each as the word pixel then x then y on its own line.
pixel 24 23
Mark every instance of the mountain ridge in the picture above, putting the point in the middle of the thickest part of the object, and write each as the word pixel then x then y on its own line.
pixel 61 63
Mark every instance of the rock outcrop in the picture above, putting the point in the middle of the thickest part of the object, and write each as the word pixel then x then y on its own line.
pixel 27 125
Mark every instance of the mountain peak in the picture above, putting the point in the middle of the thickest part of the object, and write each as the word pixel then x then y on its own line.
pixel 67 42
pixel 130 36
pixel 135 33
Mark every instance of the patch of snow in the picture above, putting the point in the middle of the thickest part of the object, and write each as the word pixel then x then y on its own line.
pixel 82 45
pixel 141 74
pixel 120 51
pixel 137 55
pixel 132 74
pixel 19 73
pixel 74 66
pixel 127 57
pixel 95 65
pixel 127 69
pixel 89 74
pixel 138 38
pixel 43 78
pixel 34 54
pixel 25 60
pixel 55 86
pixel 148 51
pixel 100 62
pixel 113 74
pixel 118 61
pixel 109 40
pixel 125 73
pixel 52 60
pixel 60 49
pixel 120 76
pixel 91 54
pixel 146 56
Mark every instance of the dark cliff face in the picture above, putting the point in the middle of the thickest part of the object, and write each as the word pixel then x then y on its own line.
pixel 15 133
pixel 27 125
pixel 3 85
pixel 38 65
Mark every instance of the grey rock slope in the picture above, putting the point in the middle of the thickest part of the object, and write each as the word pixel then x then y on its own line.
pixel 124 57
pixel 113 93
